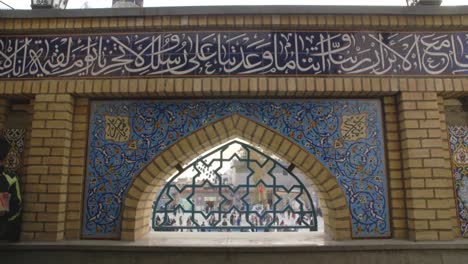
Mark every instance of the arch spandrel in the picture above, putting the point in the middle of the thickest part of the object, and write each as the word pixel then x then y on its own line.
pixel 248 120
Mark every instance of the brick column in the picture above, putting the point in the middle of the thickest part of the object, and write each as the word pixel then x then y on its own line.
pixel 426 172
pixel 77 169
pixel 47 168
pixel 395 179
pixel 448 158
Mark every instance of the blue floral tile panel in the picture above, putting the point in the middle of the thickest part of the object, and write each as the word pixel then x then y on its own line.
pixel 346 136
pixel 459 150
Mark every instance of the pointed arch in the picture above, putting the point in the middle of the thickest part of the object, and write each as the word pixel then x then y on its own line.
pixel 141 193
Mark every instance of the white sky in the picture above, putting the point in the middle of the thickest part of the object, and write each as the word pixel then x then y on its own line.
pixel 25 4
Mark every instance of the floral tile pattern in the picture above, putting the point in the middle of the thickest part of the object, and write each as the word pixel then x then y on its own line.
pixel 459 150
pixel 345 135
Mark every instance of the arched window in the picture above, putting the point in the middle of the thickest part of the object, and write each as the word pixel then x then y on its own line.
pixel 235 187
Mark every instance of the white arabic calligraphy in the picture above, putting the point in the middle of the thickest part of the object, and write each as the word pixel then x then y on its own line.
pixel 218 53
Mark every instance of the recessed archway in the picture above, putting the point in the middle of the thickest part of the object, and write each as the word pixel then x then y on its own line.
pixel 138 203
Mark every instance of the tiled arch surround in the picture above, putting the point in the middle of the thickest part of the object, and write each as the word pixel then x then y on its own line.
pixel 346 136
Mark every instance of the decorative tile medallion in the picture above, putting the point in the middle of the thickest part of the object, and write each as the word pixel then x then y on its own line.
pixel 117 128
pixel 16 139
pixel 353 127
pixel 234 53
pixel 459 150
pixel 345 135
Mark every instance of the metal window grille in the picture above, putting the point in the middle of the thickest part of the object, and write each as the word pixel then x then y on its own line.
pixel 235 187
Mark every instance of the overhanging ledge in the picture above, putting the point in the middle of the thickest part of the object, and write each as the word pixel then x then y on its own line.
pixel 117 252
pixel 236 242
pixel 236 10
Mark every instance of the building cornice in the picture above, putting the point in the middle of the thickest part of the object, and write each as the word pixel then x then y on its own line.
pixel 236 10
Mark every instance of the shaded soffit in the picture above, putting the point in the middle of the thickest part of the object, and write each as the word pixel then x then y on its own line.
pixel 237 10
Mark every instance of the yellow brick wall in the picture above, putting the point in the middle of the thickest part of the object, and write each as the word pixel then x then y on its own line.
pixel 394 168
pixel 421 192
pixel 236 86
pixel 77 169
pixel 446 153
pixel 427 175
pixel 46 177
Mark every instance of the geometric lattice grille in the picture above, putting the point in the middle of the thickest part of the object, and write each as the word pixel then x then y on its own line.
pixel 235 187
pixel 14 136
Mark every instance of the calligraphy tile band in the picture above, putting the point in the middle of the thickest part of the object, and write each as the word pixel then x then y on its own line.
pixel 234 53
pixel 345 135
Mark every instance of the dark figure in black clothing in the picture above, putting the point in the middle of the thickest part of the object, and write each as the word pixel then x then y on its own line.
pixel 9 183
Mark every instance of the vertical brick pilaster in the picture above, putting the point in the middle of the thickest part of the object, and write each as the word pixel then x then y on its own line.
pixel 426 172
pixel 446 153
pixel 47 167
pixel 4 107
pixel 77 169
pixel 395 174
